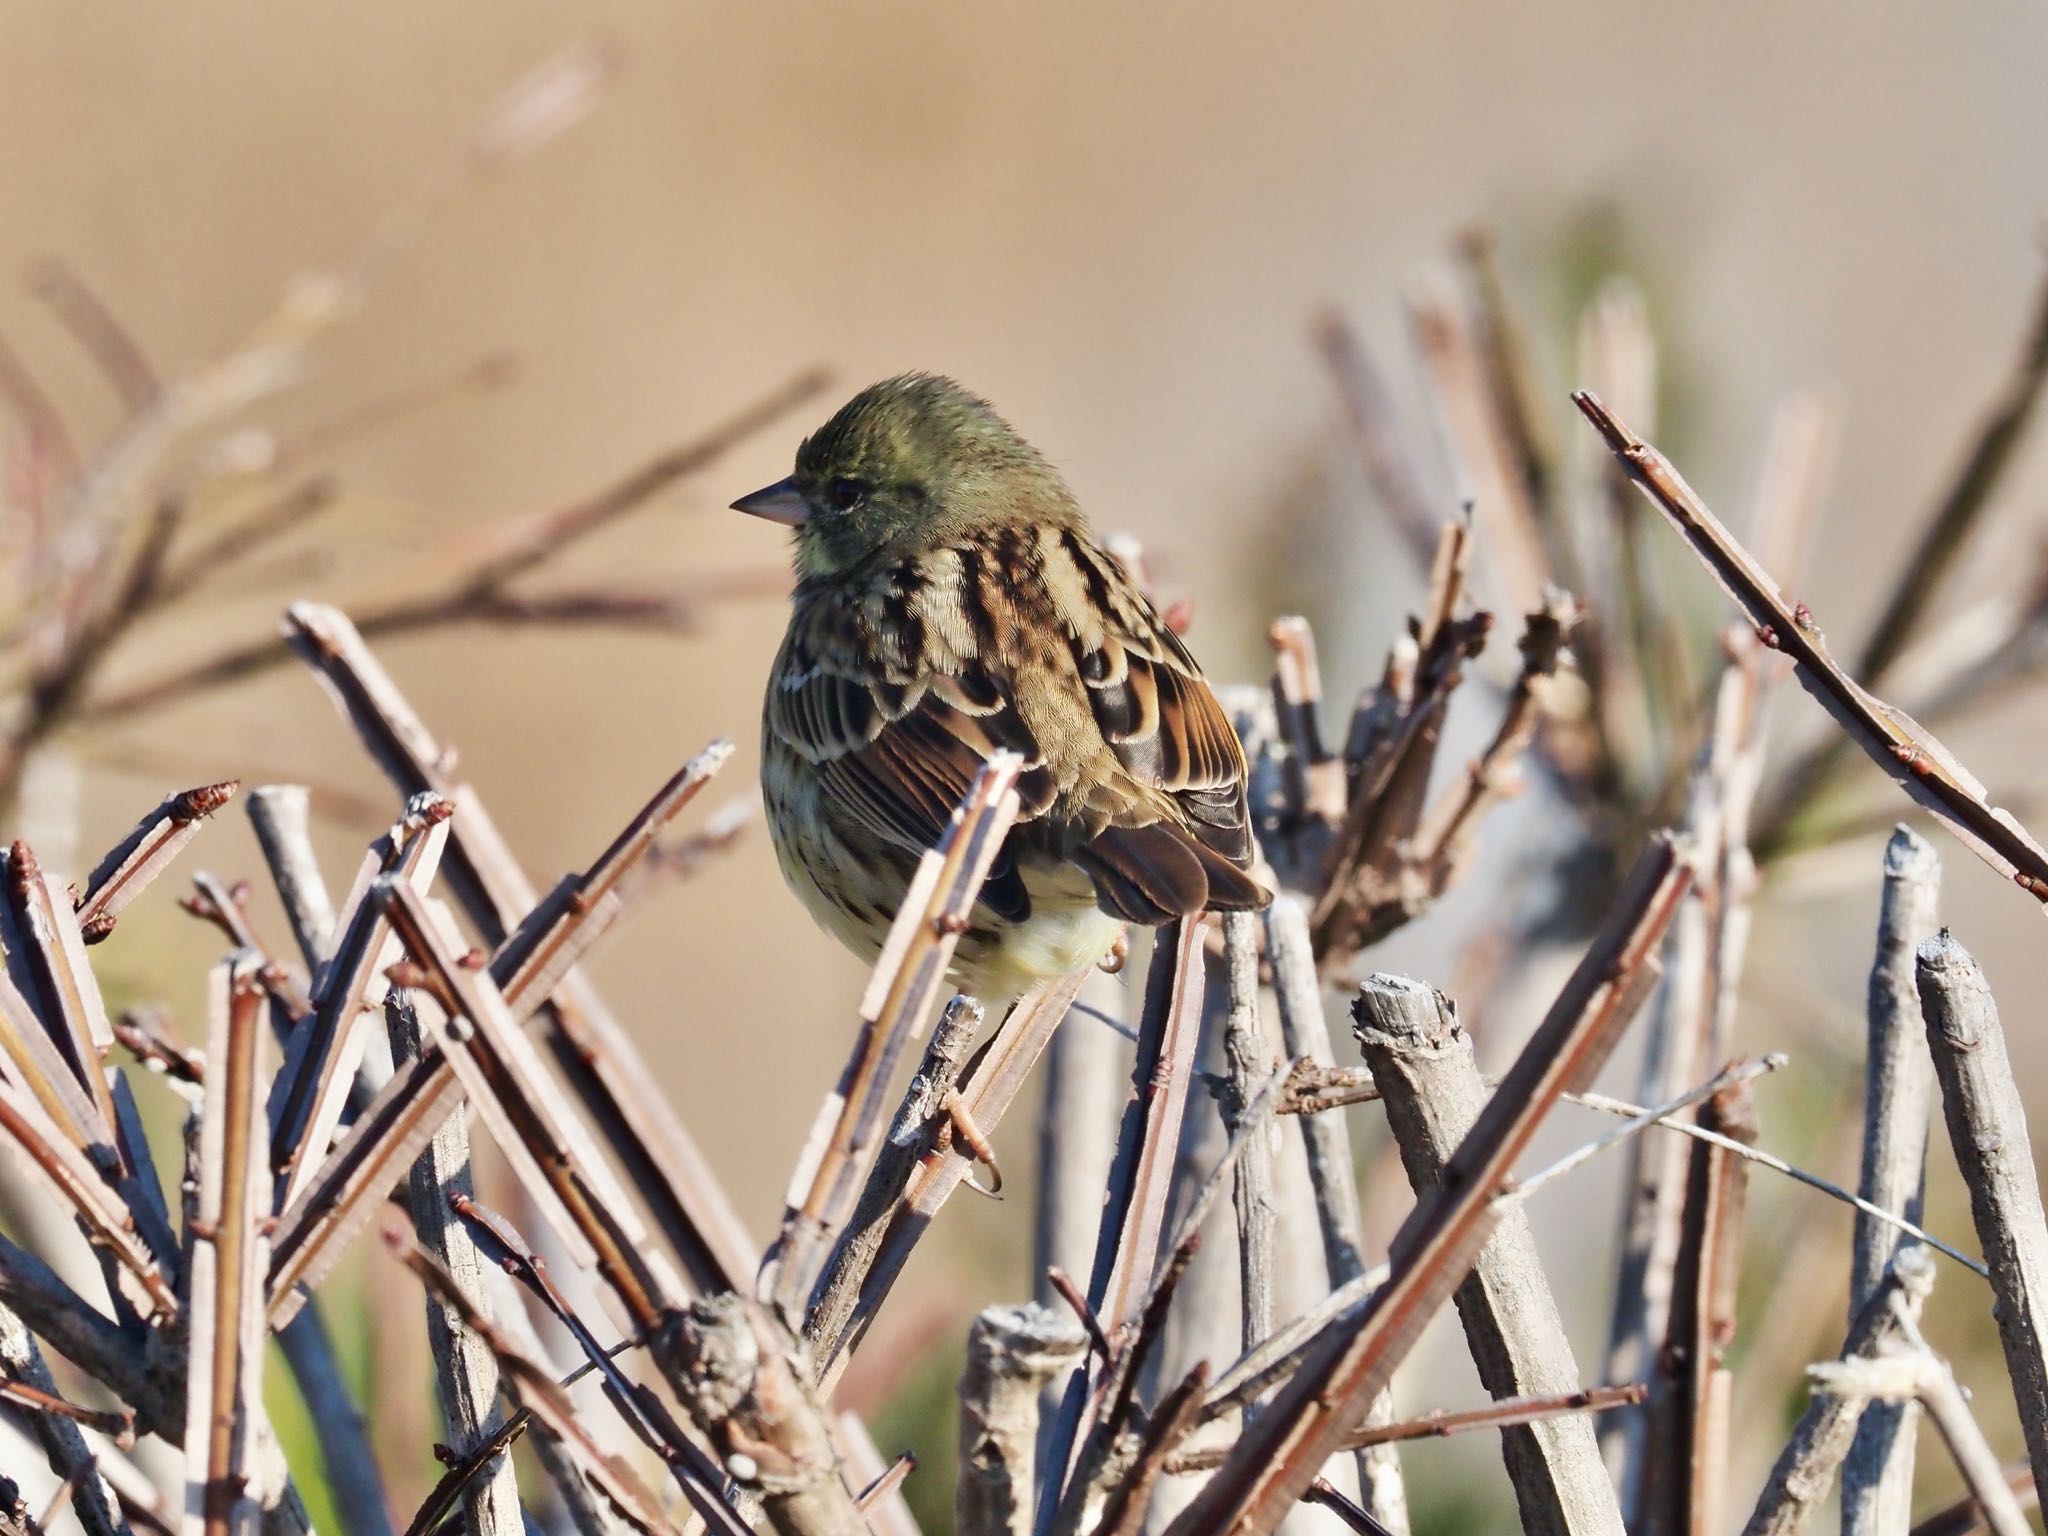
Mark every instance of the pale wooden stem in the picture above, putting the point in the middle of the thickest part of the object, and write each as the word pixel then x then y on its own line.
pixel 1898 1098
pixel 1423 1062
pixel 464 1365
pixel 1805 1471
pixel 1086 1065
pixel 1305 1031
pixel 1013 1353
pixel 279 813
pixel 1248 1062
pixel 1988 1127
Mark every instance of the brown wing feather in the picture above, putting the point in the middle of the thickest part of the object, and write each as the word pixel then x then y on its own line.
pixel 897 739
pixel 1157 712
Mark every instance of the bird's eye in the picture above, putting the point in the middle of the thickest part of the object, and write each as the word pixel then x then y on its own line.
pixel 841 494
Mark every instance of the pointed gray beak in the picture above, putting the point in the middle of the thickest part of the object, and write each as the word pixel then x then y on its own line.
pixel 781 502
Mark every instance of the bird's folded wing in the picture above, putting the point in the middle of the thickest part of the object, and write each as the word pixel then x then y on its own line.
pixel 1164 833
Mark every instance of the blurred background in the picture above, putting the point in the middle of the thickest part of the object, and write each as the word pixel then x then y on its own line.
pixel 1119 223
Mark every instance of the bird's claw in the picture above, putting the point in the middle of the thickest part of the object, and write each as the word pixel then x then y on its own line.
pixel 969 1136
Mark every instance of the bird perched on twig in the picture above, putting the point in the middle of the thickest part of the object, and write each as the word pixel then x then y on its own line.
pixel 951 601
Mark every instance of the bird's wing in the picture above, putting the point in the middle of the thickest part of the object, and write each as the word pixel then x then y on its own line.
pixel 898 757
pixel 1162 833
pixel 1155 709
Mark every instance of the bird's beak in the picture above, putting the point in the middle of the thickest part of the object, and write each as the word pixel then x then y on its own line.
pixel 781 502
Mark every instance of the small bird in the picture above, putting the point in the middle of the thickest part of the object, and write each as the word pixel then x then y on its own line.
pixel 951 601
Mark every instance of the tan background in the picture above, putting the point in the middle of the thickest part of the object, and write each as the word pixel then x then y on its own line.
pixel 1116 221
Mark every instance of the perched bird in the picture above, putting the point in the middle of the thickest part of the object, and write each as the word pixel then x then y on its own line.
pixel 951 600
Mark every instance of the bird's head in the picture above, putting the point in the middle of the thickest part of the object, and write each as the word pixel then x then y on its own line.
pixel 908 465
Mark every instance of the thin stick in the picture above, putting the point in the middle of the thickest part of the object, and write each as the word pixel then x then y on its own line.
pixel 1258 1367
pixel 480 590
pixel 1729 1077
pixel 1776 1164
pixel 921 1113
pixel 1140 1181
pixel 1269 1469
pixel 1805 1470
pixel 1920 1374
pixel 466 1372
pixel 594 1054
pixel 549 1404
pixel 1423 1063
pixel 1898 1096
pixel 55 1422
pixel 1249 1057
pixel 860 1276
pixel 224 1402
pixel 1965 1517
pixel 1908 754
pixel 1987 1126
pixel 280 813
pixel 1013 1353
pixel 1305 1034
pixel 144 853
pixel 893 1013
pixel 1969 494
pixel 1687 1477
pixel 1441 1422
pixel 1076 1133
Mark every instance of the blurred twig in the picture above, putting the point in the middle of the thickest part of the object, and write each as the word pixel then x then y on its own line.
pixel 1955 517
pixel 1909 755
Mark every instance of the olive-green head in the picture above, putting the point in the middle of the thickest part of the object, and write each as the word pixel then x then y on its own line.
pixel 907 465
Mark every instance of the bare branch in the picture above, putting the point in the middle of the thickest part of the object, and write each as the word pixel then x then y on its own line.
pixel 279 813
pixel 1908 754
pixel 1956 516
pixel 1440 1422
pixel 1483 444
pixel 465 1369
pixel 1423 1062
pixel 1686 1476
pixel 1305 1035
pixel 1013 1353
pixel 1987 1126
pixel 144 853
pixel 25 1382
pixel 1287 1445
pixel 920 1122
pixel 1248 1054
pixel 1376 437
pixel 1965 1517
pixel 1920 1374
pixel 480 591
pixel 1134 1208
pixel 1898 1096
pixel 224 1413
pixel 545 1400
pixel 740 1373
pixel 1805 1469
pixel 595 1056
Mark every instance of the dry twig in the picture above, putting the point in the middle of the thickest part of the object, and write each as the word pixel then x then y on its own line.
pixel 1423 1063
pixel 1281 1455
pixel 1987 1126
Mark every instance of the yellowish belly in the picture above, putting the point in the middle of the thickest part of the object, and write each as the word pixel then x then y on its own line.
pixel 1066 931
